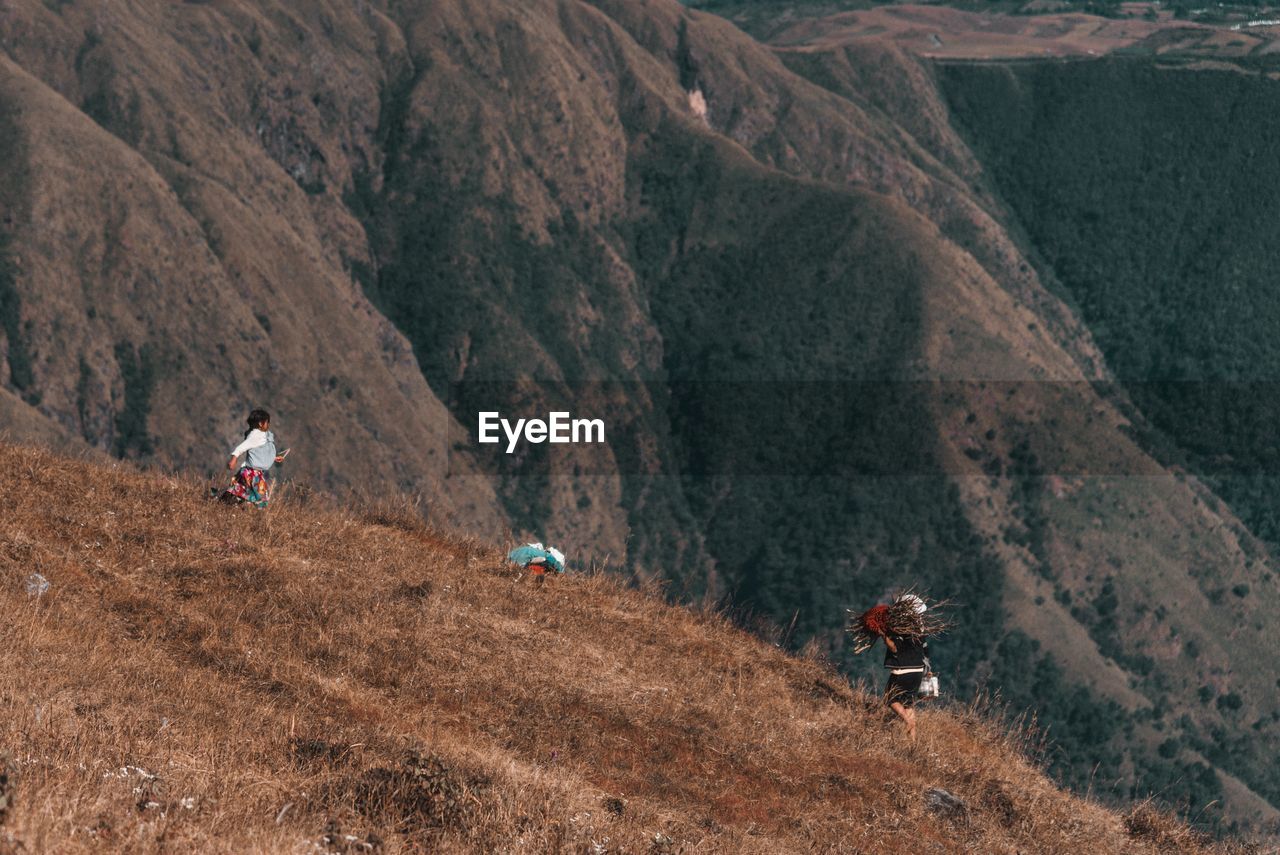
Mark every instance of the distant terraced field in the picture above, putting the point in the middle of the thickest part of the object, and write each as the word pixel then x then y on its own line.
pixel 946 33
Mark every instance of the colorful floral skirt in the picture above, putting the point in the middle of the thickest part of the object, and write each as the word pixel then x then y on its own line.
pixel 250 485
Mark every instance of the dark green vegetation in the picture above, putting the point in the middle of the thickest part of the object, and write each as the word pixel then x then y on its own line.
pixel 1147 195
pixel 137 369
pixel 103 102
pixel 1090 741
pixel 16 332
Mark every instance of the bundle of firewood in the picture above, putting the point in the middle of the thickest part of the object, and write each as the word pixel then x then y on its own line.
pixel 910 614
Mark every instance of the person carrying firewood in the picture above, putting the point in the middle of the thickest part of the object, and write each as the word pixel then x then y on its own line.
pixel 904 628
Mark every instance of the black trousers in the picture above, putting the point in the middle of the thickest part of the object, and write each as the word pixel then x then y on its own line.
pixel 902 688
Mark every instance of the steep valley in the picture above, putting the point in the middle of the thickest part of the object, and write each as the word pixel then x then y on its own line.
pixel 855 320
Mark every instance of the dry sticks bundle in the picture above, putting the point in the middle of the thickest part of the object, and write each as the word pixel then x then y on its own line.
pixel 903 617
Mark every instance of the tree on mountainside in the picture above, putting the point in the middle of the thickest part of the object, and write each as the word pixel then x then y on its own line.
pixel 15 331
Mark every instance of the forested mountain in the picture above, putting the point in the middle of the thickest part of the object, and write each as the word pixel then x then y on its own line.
pixel 841 342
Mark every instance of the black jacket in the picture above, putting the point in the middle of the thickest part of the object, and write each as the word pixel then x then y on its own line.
pixel 911 652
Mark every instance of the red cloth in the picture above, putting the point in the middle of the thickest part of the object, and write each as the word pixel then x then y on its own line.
pixel 875 620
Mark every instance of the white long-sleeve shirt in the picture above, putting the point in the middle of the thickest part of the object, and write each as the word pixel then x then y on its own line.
pixel 260 446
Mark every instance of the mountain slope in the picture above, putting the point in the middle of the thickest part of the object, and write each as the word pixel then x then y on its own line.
pixel 828 363
pixel 197 677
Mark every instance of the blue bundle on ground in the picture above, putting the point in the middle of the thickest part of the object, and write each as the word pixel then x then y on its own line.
pixel 530 552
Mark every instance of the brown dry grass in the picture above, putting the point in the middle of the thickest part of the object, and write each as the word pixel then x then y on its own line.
pixel 315 678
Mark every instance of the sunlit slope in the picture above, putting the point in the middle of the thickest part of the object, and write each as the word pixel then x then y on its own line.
pixel 202 679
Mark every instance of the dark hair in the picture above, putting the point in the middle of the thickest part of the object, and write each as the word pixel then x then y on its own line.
pixel 256 418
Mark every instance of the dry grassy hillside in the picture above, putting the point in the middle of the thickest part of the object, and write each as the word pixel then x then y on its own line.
pixel 322 679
